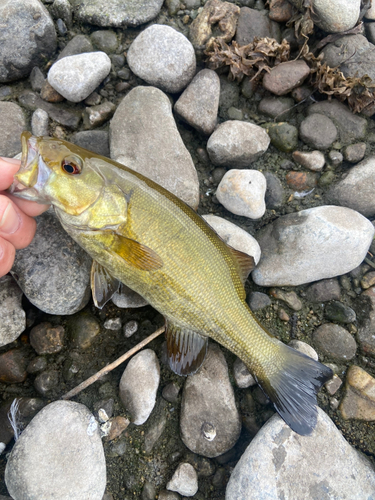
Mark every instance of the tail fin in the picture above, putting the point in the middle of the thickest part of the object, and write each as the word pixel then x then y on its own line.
pixel 293 386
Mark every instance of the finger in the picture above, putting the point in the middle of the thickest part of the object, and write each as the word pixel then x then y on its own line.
pixel 8 167
pixel 28 207
pixel 15 226
pixel 7 253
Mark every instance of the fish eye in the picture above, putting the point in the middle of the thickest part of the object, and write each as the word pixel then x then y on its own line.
pixel 72 165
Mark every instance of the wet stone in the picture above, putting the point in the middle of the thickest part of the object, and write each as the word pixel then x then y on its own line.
pixel 324 290
pixel 139 384
pixel 334 341
pixel 313 160
pixel 46 382
pixel 37 365
pixel 286 76
pixel 83 329
pixel 13 365
pixel 241 375
pixel 275 193
pixel 12 316
pixel 12 124
pixel 258 300
pixel 47 339
pixel 184 480
pixel 39 123
pixel 276 107
pixel 359 399
pixel 283 136
pixel 93 140
pixel 151 53
pixel 209 423
pixel 318 131
pixel 355 152
pixel 339 312
pixel 95 116
pixel 67 464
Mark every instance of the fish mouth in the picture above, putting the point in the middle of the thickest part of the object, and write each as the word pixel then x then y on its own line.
pixel 29 179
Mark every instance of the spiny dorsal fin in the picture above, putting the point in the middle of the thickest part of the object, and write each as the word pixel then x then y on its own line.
pixel 186 349
pixel 103 284
pixel 245 263
pixel 134 253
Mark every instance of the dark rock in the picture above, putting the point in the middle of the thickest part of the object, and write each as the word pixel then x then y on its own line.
pixel 105 40
pixel 154 432
pixel 318 131
pixel 283 136
pixel 334 341
pixel 46 339
pixel 13 366
pixel 46 381
pixel 258 300
pixel 324 290
pixel 95 116
pixel 37 365
pixel 77 45
pixel 253 23
pixel 148 491
pixel 37 79
pixel 337 311
pixel 275 194
pixel 93 140
pixel 83 328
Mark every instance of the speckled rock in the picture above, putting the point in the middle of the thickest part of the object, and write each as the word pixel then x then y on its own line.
pixel 76 77
pixel 242 192
pixel 116 13
pixel 210 423
pixel 318 131
pixel 12 316
pixel 277 458
pixel 237 144
pixel 28 38
pixel 139 384
pixel 47 339
pixel 334 341
pixel 355 152
pixel 234 236
pixel 144 137
pixel 356 189
pixel 12 123
pixel 163 57
pixel 59 455
pixel 184 480
pixel 359 399
pixel 296 248
pixel 53 271
pixel 283 136
pixel 286 76
pixel 199 103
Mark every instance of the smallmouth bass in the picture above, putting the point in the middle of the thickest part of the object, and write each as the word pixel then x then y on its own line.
pixel 140 234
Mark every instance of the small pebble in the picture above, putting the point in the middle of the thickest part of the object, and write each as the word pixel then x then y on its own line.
pixel 323 291
pixel 47 339
pixel 39 123
pixel 333 385
pixel 95 116
pixel 112 324
pixel 335 158
pixel 304 348
pixel 130 328
pixel 355 152
pixel 286 76
pixel 290 298
pixel 283 315
pixel 46 381
pixel 258 300
pixel 118 425
pixel 301 181
pixel 318 131
pixel 313 160
pixel 184 480
pixel 241 375
pixel 13 366
pixel 170 392
pixel 333 340
pixel 339 312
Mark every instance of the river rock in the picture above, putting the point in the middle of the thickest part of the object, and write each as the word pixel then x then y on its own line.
pixel 184 480
pixel 39 123
pixel 53 271
pixel 93 140
pixel 116 13
pixel 59 455
pixel 234 236
pixel 359 399
pixel 13 365
pixel 163 57
pixel 318 131
pixel 351 127
pixel 241 375
pixel 128 299
pixel 300 346
pixel 324 290
pixel 335 16
pixel 366 331
pixel 253 23
pixel 77 45
pixel 199 103
pixel 311 245
pixel 356 189
pixel 210 423
pixel 139 384
pixel 12 316
pixel 277 458
pixel 276 107
pixel 313 160
pixel 237 144
pixel 286 76
pixel 12 124
pixel 334 341
pixel 76 77
pixel 144 137
pixel 28 38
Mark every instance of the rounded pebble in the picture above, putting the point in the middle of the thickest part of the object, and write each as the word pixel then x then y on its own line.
pixel 184 480
pixel 318 131
pixel 12 316
pixel 335 341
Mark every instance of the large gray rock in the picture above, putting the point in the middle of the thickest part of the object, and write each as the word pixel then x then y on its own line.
pixel 53 271
pixel 59 455
pixel 12 124
pixel 210 423
pixel 279 463
pixel 28 37
pixel 163 57
pixel 237 144
pixel 144 137
pixel 311 245
pixel 253 23
pixel 12 316
pixel 356 190
pixel 116 13
pixel 139 384
pixel 76 77
pixel 335 16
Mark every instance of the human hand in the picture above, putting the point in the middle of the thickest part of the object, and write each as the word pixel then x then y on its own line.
pixel 17 226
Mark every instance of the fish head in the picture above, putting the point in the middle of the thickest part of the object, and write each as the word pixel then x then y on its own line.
pixel 56 172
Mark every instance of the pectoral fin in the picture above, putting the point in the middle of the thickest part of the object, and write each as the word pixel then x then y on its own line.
pixel 103 285
pixel 244 262
pixel 133 253
pixel 186 349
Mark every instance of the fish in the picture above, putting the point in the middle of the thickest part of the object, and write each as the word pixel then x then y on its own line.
pixel 140 234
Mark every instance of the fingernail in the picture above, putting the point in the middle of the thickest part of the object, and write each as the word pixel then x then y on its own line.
pixel 10 221
pixel 9 160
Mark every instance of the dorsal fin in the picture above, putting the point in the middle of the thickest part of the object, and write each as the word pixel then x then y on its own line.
pixel 186 349
pixel 103 284
pixel 245 263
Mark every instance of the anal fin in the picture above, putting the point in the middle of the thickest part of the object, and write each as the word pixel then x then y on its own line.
pixel 103 285
pixel 186 349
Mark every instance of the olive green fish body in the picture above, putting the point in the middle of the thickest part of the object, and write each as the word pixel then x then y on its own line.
pixel 141 235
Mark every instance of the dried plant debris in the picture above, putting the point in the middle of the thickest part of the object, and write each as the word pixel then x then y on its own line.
pixel 302 20
pixel 250 60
